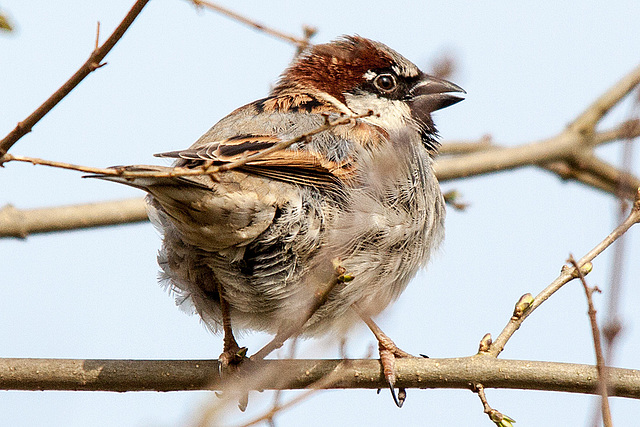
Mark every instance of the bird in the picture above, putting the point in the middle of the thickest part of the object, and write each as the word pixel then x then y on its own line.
pixel 326 232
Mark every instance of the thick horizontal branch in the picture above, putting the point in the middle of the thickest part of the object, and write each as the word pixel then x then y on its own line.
pixel 175 375
pixel 21 223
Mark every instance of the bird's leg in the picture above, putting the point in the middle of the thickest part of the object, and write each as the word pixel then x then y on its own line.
pixel 388 351
pixel 232 353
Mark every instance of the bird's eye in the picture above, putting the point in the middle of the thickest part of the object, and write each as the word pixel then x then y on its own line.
pixel 385 82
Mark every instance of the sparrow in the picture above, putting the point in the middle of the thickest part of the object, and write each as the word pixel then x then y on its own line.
pixel 249 248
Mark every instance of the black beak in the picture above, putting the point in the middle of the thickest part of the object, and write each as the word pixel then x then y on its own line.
pixel 431 94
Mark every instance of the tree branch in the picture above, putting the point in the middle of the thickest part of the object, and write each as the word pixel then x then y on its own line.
pixel 21 223
pixel 587 120
pixel 565 277
pixel 595 332
pixel 569 155
pixel 300 43
pixel 93 63
pixel 572 146
pixel 174 375
pixel 205 169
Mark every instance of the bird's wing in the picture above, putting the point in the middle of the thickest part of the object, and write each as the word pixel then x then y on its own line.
pixel 297 166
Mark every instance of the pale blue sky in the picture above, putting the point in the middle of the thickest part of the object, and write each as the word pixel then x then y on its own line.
pixel 528 68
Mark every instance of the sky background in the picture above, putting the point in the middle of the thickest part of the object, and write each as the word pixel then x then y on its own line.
pixel 529 69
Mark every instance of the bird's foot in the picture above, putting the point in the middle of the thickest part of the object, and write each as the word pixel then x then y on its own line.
pixel 389 352
pixel 232 357
pixel 228 362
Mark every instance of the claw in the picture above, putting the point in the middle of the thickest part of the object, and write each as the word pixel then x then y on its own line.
pixel 388 361
pixel 393 394
pixel 232 358
pixel 243 401
pixel 400 397
pixel 389 352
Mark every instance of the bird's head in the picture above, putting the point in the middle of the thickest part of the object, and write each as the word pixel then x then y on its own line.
pixel 358 75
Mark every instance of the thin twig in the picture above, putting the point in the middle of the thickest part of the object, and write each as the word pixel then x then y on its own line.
pixel 566 276
pixel 568 171
pixel 97 36
pixel 320 296
pixel 309 32
pixel 481 159
pixel 449 148
pixel 301 43
pixel 589 118
pixel 181 171
pixel 277 396
pixel 628 129
pixel 595 331
pixel 576 140
pixel 494 415
pixel 93 63
pixel 285 144
pixel 323 383
pixel 613 324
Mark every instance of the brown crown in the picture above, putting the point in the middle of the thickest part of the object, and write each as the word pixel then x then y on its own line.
pixel 334 68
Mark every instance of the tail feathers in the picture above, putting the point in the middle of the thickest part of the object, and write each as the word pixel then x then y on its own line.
pixel 144 182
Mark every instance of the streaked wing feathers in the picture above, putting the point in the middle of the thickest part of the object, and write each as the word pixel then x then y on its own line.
pixel 296 166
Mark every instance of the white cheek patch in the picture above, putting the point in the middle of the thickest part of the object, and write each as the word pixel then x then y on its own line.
pixel 389 114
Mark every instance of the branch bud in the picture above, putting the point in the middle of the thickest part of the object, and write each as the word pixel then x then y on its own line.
pixel 522 305
pixel 485 343
pixel 501 420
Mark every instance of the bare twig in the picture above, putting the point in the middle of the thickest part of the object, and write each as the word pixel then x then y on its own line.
pixel 613 324
pixel 301 43
pixel 449 148
pixel 584 168
pixel 97 36
pixel 170 375
pixel 557 154
pixel 329 124
pixel 573 145
pixel 595 331
pixel 320 296
pixel 93 63
pixel 589 118
pixel 566 276
pixel 498 418
pixel 180 171
pixel 7 158
pixel 626 130
pixel 309 32
pixel 323 383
